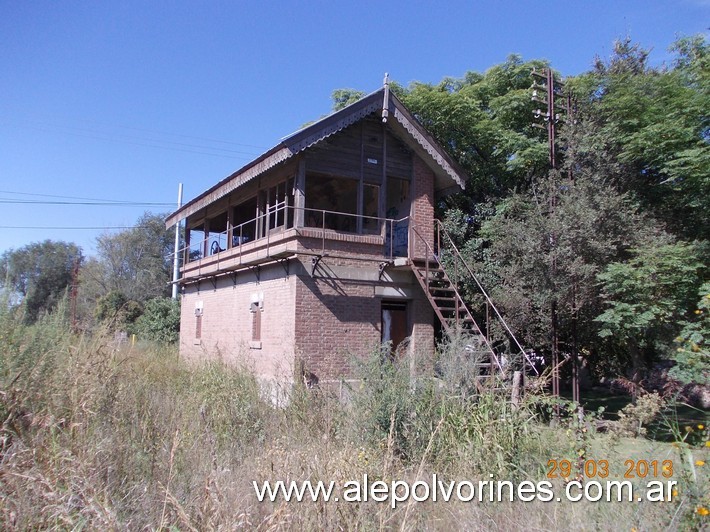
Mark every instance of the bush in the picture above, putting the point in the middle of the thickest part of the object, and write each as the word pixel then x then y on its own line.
pixel 445 423
pixel 117 312
pixel 160 321
pixel 693 353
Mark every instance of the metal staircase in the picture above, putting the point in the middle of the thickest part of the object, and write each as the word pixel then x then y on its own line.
pixel 494 358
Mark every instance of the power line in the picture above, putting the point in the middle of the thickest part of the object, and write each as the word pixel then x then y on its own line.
pixel 58 196
pixel 205 139
pixel 148 142
pixel 73 227
pixel 99 203
pixel 145 130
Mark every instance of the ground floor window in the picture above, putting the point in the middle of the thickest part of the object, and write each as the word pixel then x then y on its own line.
pixel 256 322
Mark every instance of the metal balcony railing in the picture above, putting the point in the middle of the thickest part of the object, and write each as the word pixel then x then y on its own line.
pixel 269 228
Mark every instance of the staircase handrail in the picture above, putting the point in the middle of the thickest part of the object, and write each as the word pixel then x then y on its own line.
pixel 457 254
pixel 430 252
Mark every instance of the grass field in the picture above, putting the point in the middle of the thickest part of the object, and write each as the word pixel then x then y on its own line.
pixel 102 437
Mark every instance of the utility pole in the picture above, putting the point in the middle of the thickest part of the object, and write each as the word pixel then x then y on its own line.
pixel 74 293
pixel 550 93
pixel 176 257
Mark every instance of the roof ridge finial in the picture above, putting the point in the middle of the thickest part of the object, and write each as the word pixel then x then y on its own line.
pixel 385 103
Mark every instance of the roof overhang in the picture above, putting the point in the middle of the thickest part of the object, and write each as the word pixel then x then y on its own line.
pixel 448 175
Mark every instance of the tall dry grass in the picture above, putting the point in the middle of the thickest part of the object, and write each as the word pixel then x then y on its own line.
pixel 98 436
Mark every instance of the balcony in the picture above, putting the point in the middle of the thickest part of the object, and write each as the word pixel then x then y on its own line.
pixel 285 231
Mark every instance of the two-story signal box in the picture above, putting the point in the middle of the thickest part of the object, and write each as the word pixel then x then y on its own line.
pixel 313 253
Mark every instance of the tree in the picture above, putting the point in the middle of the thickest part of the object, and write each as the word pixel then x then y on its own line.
pixel 118 312
pixel 40 273
pixel 343 97
pixel 135 263
pixel 692 355
pixel 654 122
pixel 485 123
pixel 532 256
pixel 647 296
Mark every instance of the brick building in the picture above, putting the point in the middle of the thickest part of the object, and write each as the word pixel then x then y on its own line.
pixel 312 253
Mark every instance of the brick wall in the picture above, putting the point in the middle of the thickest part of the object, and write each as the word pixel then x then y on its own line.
pixel 322 322
pixel 422 336
pixel 422 207
pixel 335 321
pixel 227 321
pixel 339 319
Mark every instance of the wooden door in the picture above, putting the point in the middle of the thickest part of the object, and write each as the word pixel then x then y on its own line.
pixel 395 323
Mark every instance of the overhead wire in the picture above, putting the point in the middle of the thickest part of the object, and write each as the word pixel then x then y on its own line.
pixel 18 193
pixel 145 130
pixel 46 227
pixel 84 201
pixel 126 139
pixel 99 203
pixel 200 149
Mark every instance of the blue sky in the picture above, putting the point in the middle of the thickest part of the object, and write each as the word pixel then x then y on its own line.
pixel 124 100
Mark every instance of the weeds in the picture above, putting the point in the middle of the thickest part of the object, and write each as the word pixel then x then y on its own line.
pixel 104 437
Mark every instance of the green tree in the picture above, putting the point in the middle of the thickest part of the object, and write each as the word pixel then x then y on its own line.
pixel 343 97
pixel 117 311
pixel 655 124
pixel 647 296
pixel 692 355
pixel 485 122
pixel 40 273
pixel 533 255
pixel 135 263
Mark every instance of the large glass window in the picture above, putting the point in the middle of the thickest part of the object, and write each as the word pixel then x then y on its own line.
pixel 244 220
pixel 197 242
pixel 331 203
pixel 398 206
pixel 279 200
pixel 370 208
pixel 397 198
pixel 217 239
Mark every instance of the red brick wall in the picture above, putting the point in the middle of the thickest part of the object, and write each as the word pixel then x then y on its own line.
pixel 227 322
pixel 324 321
pixel 422 207
pixel 422 336
pixel 338 320
pixel 335 321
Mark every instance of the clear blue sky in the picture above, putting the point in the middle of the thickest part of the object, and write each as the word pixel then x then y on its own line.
pixel 123 100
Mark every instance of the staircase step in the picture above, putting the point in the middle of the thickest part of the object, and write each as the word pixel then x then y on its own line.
pixel 435 271
pixel 448 288
pixel 444 298
pixel 421 263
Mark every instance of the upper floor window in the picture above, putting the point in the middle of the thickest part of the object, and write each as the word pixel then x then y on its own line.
pixel 331 202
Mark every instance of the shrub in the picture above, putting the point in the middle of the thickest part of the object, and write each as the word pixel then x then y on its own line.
pixel 160 321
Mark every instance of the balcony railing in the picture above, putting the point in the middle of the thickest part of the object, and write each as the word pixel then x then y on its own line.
pixel 270 227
